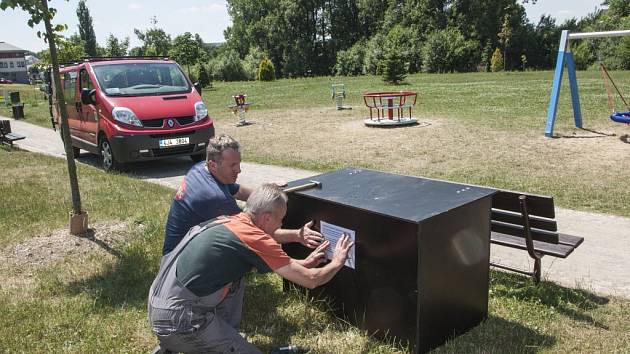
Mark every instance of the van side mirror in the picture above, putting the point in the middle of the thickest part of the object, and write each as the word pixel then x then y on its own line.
pixel 88 96
pixel 197 86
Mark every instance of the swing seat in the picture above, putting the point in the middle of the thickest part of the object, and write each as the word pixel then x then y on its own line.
pixel 621 117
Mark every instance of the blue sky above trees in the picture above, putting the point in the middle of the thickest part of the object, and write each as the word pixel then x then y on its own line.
pixel 208 18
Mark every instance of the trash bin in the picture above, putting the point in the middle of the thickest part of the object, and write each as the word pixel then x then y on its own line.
pixel 15 97
pixel 18 111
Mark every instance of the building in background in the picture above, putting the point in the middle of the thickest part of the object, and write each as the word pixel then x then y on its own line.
pixel 13 63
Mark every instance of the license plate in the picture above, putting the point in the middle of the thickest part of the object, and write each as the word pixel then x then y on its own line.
pixel 164 143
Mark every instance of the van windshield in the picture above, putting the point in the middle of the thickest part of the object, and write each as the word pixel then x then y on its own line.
pixel 141 79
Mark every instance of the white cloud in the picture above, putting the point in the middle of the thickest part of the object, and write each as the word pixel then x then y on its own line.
pixel 134 6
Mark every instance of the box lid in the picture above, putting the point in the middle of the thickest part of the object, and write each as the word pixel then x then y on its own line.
pixel 407 198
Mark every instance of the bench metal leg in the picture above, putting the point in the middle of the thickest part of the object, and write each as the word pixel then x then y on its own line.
pixel 535 274
pixel 537 269
pixel 530 246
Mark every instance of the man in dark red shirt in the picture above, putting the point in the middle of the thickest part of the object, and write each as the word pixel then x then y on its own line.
pixel 196 300
pixel 209 190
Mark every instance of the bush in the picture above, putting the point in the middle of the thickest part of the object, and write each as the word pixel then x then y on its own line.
pixel 405 41
pixel 374 54
pixel 496 63
pixel 393 68
pixel 350 62
pixel 266 70
pixel 204 77
pixel 227 66
pixel 447 51
pixel 193 75
pixel 252 62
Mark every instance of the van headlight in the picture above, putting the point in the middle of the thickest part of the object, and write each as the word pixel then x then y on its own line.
pixel 125 115
pixel 201 111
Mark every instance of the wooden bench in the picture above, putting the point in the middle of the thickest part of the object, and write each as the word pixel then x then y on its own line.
pixel 6 136
pixel 526 221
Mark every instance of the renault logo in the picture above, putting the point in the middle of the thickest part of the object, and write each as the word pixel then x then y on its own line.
pixel 170 123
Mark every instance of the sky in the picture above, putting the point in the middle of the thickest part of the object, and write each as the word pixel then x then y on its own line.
pixel 209 18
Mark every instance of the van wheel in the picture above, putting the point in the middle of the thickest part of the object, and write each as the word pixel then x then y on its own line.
pixel 198 157
pixel 108 160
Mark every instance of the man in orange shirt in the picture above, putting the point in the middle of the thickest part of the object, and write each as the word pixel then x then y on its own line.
pixel 196 300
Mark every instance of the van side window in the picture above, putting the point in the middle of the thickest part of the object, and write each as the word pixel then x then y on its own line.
pixel 85 82
pixel 69 86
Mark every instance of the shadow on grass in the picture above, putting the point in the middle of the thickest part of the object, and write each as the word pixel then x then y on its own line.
pixel 573 303
pixel 598 134
pixel 91 235
pixel 498 335
pixel 260 312
pixel 126 282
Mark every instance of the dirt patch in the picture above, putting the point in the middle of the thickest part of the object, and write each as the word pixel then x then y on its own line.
pixel 45 250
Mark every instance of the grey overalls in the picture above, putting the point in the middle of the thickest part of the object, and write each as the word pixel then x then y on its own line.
pixel 188 323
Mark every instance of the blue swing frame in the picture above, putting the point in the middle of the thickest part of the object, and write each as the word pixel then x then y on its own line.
pixel 565 57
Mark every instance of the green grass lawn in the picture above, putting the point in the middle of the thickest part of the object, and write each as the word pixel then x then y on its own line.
pixel 35 104
pixel 515 101
pixel 479 128
pixel 60 293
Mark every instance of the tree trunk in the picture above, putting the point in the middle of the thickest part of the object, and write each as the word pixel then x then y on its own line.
pixel 72 169
pixel 504 56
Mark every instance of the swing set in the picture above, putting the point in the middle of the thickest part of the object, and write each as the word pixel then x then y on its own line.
pixel 616 116
pixel 565 57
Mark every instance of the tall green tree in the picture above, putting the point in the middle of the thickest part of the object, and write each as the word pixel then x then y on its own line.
pixel 39 11
pixel 69 50
pixel 185 50
pixel 618 9
pixel 155 42
pixel 115 47
pixel 393 68
pixel 504 36
pixel 86 29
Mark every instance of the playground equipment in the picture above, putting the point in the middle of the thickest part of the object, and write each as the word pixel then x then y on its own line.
pixel 239 109
pixel 388 102
pixel 565 57
pixel 619 117
pixel 338 95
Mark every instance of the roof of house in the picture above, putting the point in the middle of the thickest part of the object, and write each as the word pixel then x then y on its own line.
pixel 6 47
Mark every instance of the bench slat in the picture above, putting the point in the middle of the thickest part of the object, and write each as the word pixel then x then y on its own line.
pixel 517 218
pixel 538 205
pixel 13 137
pixel 570 240
pixel 548 249
pixel 518 231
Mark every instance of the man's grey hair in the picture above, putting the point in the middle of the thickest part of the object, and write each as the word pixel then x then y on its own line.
pixel 218 144
pixel 268 198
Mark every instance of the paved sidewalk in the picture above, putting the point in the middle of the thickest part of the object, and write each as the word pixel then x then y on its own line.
pixel 601 264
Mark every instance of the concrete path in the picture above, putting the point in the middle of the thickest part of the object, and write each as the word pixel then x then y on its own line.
pixel 601 264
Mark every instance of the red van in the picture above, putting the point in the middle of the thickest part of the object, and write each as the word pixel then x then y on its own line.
pixel 134 109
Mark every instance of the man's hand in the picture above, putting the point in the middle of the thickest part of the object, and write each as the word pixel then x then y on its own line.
pixel 341 249
pixel 309 237
pixel 317 256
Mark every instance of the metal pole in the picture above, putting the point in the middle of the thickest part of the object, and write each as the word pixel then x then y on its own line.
pixel 599 34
